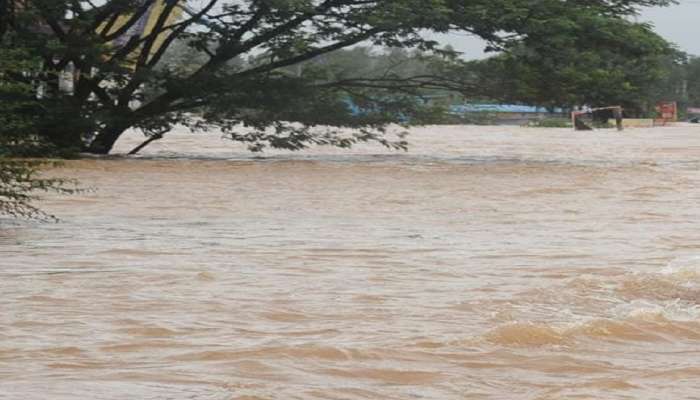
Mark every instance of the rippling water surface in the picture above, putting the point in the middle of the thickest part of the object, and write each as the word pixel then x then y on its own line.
pixel 485 263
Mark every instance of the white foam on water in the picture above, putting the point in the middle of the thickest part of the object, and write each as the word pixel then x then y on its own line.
pixel 683 268
pixel 672 310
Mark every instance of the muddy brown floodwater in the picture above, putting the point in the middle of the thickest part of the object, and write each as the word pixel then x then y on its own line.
pixel 485 263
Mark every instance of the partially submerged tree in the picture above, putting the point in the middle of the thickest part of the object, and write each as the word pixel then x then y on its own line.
pixel 20 185
pixel 20 115
pixel 245 51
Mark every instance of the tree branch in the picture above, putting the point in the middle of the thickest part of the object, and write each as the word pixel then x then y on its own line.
pixel 311 54
pixel 148 141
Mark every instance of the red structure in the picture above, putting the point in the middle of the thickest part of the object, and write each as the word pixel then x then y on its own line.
pixel 666 112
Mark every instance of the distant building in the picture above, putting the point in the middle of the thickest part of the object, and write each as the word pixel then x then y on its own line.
pixel 507 114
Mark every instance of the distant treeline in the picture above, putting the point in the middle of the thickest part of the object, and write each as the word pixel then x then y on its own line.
pixel 525 75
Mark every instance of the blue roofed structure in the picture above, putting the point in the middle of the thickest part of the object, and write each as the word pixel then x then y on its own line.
pixel 502 108
pixel 505 114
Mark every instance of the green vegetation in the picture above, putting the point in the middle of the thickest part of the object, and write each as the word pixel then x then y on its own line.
pixel 20 115
pixel 692 77
pixel 20 184
pixel 572 69
pixel 252 63
pixel 680 83
pixel 294 71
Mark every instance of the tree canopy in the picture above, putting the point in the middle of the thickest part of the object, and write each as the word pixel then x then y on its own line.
pixel 572 68
pixel 245 56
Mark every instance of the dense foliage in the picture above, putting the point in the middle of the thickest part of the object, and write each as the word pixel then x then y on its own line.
pixel 20 115
pixel 573 69
pixel 246 56
pixel 692 76
pixel 681 82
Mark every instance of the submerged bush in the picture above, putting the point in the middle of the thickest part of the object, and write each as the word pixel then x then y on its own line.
pixel 20 184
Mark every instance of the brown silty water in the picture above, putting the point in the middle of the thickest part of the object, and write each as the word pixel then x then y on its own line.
pixel 485 263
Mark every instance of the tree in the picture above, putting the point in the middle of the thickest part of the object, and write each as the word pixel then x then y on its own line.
pixel 681 83
pixel 246 49
pixel 586 60
pixel 19 115
pixel 693 81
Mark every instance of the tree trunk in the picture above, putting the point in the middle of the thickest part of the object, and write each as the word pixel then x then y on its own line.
pixel 105 139
pixel 146 143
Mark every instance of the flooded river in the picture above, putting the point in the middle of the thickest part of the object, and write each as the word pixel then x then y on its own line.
pixel 485 263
